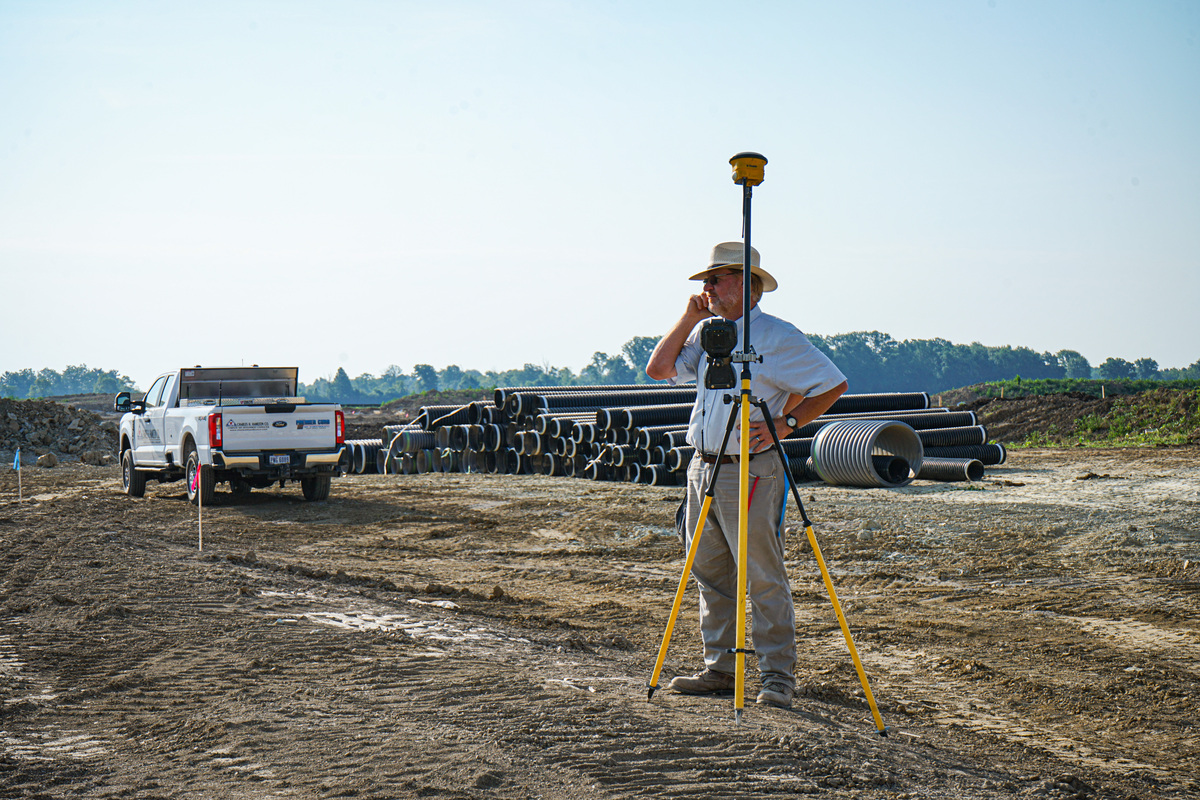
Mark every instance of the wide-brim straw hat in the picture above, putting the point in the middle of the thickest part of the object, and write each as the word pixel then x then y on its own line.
pixel 732 254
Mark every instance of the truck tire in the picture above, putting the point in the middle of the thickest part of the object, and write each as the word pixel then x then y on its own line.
pixel 315 488
pixel 206 490
pixel 132 481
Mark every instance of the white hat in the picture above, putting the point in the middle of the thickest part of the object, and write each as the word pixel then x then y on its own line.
pixel 732 254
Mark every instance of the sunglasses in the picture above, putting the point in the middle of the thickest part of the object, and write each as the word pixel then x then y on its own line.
pixel 715 279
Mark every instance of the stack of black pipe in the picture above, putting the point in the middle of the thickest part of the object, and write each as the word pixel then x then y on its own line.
pixel 637 432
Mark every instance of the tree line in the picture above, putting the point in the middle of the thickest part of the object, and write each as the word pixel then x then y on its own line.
pixel 80 379
pixel 872 362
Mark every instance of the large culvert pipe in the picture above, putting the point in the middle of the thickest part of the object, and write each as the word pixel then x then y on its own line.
pixel 844 452
pixel 951 469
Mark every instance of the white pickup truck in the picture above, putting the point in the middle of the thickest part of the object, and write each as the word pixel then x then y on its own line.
pixel 241 425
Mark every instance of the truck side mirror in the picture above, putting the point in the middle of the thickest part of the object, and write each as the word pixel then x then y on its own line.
pixel 121 402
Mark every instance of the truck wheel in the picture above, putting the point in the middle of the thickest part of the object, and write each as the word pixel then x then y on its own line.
pixel 132 481
pixel 315 488
pixel 206 489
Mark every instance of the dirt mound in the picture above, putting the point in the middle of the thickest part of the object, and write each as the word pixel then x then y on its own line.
pixel 44 426
pixel 1050 417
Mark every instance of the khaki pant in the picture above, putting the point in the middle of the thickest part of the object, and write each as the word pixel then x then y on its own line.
pixel 773 617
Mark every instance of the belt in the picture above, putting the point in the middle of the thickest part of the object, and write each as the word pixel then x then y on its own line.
pixel 712 459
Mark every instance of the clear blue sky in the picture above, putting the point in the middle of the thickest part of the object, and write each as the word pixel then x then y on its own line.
pixel 360 184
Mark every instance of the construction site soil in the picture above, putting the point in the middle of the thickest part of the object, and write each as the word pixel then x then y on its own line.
pixel 470 636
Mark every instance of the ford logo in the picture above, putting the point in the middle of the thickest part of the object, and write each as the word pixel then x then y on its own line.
pixel 279 424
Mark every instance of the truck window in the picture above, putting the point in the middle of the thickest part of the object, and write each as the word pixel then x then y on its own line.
pixel 166 392
pixel 151 397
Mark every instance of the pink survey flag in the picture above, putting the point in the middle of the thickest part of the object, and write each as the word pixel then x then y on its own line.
pixel 195 479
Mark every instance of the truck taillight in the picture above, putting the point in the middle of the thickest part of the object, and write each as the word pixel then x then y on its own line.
pixel 214 430
pixel 339 427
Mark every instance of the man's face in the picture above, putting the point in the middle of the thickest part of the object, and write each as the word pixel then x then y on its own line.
pixel 723 291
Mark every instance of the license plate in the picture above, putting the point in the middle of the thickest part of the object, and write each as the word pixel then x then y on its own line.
pixel 284 459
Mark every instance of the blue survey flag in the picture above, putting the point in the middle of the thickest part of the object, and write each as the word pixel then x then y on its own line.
pixel 17 460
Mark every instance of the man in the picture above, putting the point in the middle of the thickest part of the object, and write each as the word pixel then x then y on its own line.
pixel 798 383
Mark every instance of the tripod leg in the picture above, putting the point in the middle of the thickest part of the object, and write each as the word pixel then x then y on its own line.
pixel 683 579
pixel 693 546
pixel 837 607
pixel 739 686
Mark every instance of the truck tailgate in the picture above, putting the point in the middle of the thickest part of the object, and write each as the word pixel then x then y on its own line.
pixel 278 428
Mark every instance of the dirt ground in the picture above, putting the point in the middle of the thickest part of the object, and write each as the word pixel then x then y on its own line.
pixel 470 636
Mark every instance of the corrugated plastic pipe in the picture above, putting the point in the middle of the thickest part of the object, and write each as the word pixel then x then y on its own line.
pixel 431 417
pixel 951 469
pixel 526 402
pixel 986 454
pixel 844 452
pixel 879 402
pixel 412 441
pixel 650 435
pixel 638 416
pixel 503 395
pixel 364 455
pixel 551 402
pixel 920 420
pixel 953 437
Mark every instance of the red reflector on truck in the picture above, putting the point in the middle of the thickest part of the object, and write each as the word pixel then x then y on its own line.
pixel 339 424
pixel 214 430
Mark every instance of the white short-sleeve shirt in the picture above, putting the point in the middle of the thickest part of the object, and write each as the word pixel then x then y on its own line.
pixel 791 364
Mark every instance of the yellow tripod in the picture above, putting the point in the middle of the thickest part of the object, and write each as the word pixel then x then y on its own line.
pixel 748 172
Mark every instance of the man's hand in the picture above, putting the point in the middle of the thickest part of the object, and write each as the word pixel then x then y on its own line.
pixel 760 437
pixel 697 310
pixel 662 360
pixel 804 409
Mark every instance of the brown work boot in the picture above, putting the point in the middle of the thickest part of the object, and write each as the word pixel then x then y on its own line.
pixel 776 693
pixel 706 682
